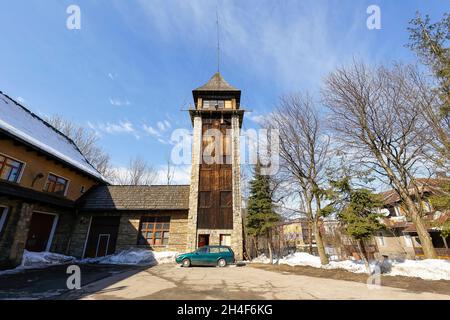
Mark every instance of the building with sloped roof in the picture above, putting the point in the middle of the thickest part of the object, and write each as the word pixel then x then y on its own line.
pixel 400 239
pixel 53 199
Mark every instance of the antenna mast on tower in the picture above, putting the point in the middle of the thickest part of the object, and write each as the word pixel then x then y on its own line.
pixel 218 38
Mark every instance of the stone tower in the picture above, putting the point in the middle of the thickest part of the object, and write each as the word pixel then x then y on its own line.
pixel 215 197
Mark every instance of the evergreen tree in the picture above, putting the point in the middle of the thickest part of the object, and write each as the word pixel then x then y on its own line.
pixel 261 218
pixel 357 211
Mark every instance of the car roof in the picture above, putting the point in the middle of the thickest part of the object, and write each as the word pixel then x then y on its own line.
pixel 216 247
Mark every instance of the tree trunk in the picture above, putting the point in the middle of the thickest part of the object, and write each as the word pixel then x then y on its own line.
pixel 319 243
pixel 269 244
pixel 362 251
pixel 310 237
pixel 425 239
pixel 310 223
pixel 255 243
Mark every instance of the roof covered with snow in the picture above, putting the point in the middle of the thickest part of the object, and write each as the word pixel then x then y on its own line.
pixel 136 198
pixel 22 124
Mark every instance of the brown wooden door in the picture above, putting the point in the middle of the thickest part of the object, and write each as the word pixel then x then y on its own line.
pixel 39 233
pixel 102 236
pixel 203 240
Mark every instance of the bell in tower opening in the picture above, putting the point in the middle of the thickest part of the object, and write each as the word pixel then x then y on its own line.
pixel 215 216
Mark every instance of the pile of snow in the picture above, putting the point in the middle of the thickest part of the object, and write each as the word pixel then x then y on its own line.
pixel 39 260
pixel 135 256
pixel 430 269
pixel 32 260
pixel 140 257
pixel 301 259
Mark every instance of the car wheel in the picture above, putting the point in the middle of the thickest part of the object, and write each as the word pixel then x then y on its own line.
pixel 221 263
pixel 186 263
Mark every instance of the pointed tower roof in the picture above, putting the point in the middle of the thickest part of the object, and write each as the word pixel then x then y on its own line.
pixel 217 83
pixel 217 87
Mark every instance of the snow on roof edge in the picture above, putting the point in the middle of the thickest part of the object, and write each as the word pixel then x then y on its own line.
pixel 88 168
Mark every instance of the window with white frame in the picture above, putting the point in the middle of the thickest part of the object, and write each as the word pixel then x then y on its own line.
pixel 3 214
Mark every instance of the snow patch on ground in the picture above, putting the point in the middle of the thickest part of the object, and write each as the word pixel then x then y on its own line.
pixel 429 269
pixel 44 259
pixel 140 257
pixel 135 256
pixel 39 260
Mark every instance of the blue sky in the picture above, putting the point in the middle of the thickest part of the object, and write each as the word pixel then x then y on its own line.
pixel 131 68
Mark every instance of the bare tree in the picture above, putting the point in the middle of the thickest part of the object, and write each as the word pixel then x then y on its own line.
pixel 169 173
pixel 438 150
pixel 304 154
pixel 86 141
pixel 138 172
pixel 377 117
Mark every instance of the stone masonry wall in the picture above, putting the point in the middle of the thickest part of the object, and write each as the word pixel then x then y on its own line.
pixel 129 230
pixel 14 235
pixel 237 235
pixel 127 236
pixel 195 174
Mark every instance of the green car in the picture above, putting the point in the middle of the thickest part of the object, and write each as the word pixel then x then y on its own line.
pixel 207 256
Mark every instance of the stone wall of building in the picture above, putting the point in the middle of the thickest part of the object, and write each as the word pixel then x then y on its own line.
pixel 79 235
pixel 237 235
pixel 129 231
pixel 13 236
pixel 127 236
pixel 195 174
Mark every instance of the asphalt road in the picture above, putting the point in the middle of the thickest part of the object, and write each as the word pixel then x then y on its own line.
pixel 173 282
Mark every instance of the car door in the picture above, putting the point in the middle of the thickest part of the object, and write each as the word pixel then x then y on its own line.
pixel 200 256
pixel 213 255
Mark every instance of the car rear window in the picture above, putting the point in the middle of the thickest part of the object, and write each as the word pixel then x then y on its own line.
pixel 214 250
pixel 223 249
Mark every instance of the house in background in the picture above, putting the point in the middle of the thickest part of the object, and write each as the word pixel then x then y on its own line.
pixel 400 239
pixel 298 235
pixel 42 175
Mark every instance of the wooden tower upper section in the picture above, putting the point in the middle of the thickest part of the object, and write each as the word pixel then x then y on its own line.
pixel 216 98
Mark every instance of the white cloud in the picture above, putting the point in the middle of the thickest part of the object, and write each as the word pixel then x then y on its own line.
pixel 259 118
pixel 118 102
pixel 291 43
pixel 151 131
pixel 122 127
pixel 159 131
pixel 21 100
pixel 112 75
